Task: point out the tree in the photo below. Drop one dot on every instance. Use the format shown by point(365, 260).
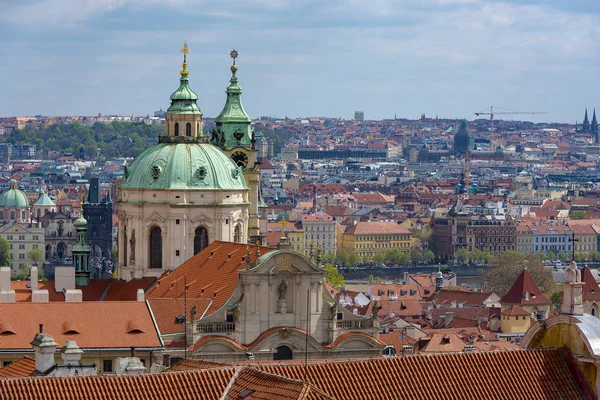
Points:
point(333, 276)
point(428, 257)
point(36, 256)
point(4, 253)
point(506, 267)
point(578, 214)
point(556, 299)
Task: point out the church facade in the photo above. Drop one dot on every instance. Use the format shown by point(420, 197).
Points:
point(191, 188)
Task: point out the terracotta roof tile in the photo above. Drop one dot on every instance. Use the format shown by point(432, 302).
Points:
point(210, 274)
point(523, 284)
point(444, 343)
point(91, 324)
point(22, 367)
point(376, 228)
point(516, 311)
point(447, 296)
point(166, 311)
point(591, 291)
point(201, 385)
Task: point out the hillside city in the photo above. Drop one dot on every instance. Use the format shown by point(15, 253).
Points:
point(186, 256)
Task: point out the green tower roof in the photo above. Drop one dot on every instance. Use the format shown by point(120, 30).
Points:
point(183, 100)
point(44, 200)
point(13, 197)
point(183, 166)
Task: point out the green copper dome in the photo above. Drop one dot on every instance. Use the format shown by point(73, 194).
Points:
point(81, 222)
point(13, 197)
point(183, 166)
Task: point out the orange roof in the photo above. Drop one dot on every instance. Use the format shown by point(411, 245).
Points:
point(24, 366)
point(91, 324)
point(546, 374)
point(591, 291)
point(166, 311)
point(447, 296)
point(516, 311)
point(376, 228)
point(525, 284)
point(211, 274)
point(444, 343)
point(263, 385)
point(200, 385)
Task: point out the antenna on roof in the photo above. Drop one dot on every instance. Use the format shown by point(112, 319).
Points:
point(307, 332)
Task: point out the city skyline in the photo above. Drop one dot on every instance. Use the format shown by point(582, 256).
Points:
point(450, 57)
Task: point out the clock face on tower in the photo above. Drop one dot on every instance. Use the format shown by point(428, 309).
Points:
point(240, 158)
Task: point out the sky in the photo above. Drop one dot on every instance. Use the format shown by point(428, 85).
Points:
point(301, 58)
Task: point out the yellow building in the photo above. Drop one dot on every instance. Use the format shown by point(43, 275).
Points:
point(524, 238)
point(586, 238)
point(367, 239)
point(297, 240)
point(515, 320)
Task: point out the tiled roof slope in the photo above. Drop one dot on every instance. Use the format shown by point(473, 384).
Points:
point(22, 367)
point(212, 273)
point(446, 296)
point(197, 385)
point(166, 311)
point(263, 385)
point(92, 324)
point(531, 374)
point(591, 291)
point(525, 283)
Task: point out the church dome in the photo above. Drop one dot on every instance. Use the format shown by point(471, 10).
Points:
point(13, 197)
point(183, 166)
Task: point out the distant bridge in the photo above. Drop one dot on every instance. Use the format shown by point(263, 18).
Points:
point(463, 272)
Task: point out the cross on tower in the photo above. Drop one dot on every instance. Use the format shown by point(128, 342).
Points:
point(573, 240)
point(234, 55)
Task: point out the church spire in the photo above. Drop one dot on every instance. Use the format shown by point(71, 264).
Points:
point(594, 127)
point(586, 123)
point(233, 125)
point(81, 252)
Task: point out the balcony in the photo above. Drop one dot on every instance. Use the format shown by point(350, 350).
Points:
point(354, 324)
point(215, 327)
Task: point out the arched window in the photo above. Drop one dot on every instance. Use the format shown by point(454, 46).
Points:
point(283, 353)
point(200, 240)
point(237, 234)
point(125, 246)
point(197, 128)
point(188, 129)
point(155, 247)
point(176, 128)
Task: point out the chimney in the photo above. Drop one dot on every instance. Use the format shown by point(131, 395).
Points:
point(526, 294)
point(6, 295)
point(37, 295)
point(44, 347)
point(71, 353)
point(167, 360)
point(140, 295)
point(448, 317)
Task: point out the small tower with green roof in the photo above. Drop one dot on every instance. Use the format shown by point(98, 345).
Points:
point(439, 281)
point(183, 117)
point(81, 253)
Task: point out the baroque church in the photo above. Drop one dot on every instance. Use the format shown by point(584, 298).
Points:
point(192, 187)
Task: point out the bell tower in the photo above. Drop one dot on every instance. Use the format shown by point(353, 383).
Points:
point(234, 134)
point(183, 117)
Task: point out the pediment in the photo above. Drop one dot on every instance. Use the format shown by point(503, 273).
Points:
point(279, 261)
point(200, 218)
point(155, 217)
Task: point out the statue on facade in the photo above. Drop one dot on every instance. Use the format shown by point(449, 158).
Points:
point(332, 309)
point(573, 274)
point(282, 290)
point(375, 310)
point(132, 247)
point(193, 313)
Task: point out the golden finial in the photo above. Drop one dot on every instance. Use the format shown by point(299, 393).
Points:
point(185, 49)
point(233, 55)
point(282, 223)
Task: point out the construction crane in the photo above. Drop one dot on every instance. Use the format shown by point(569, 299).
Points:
point(491, 113)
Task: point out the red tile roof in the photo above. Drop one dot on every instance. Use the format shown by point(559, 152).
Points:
point(211, 274)
point(444, 343)
point(22, 367)
point(533, 374)
point(447, 297)
point(523, 284)
point(516, 311)
point(376, 228)
point(591, 291)
point(200, 385)
point(166, 311)
point(92, 324)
